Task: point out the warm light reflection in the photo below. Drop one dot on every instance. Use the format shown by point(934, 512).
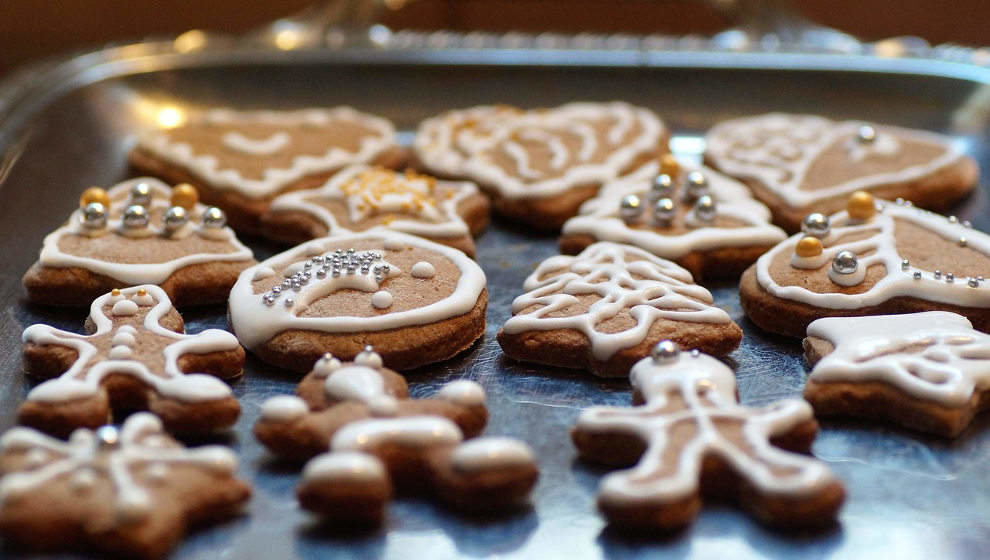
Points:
point(170, 117)
point(288, 39)
point(889, 48)
point(190, 41)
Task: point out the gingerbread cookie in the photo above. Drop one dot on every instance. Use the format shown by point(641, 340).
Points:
point(799, 164)
point(240, 160)
point(139, 232)
point(136, 357)
point(540, 165)
point(604, 309)
point(416, 301)
point(688, 436)
point(927, 371)
point(876, 258)
point(379, 437)
point(130, 492)
point(696, 217)
point(363, 198)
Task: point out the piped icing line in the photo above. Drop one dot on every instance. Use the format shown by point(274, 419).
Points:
point(138, 273)
point(83, 378)
point(271, 145)
point(609, 270)
point(435, 144)
point(408, 431)
point(572, 119)
point(207, 167)
point(936, 355)
point(778, 149)
point(882, 245)
point(599, 217)
point(255, 323)
point(368, 191)
point(143, 450)
point(706, 386)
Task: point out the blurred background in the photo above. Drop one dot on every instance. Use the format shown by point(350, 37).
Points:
point(31, 29)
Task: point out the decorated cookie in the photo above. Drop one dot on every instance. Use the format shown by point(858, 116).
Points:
point(927, 371)
point(604, 309)
point(875, 258)
point(696, 217)
point(362, 198)
point(416, 301)
point(689, 437)
point(136, 357)
point(130, 492)
point(139, 232)
point(379, 438)
point(540, 165)
point(799, 164)
point(240, 160)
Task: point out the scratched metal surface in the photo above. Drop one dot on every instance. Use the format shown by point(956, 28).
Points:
point(909, 495)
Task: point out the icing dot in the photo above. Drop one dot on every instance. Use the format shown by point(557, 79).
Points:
point(144, 300)
point(157, 472)
point(124, 308)
point(127, 329)
point(349, 465)
point(423, 269)
point(82, 480)
point(463, 392)
point(326, 365)
point(368, 357)
point(284, 408)
point(384, 405)
point(262, 273)
point(381, 299)
point(491, 453)
point(35, 458)
point(123, 338)
point(120, 353)
point(356, 382)
point(394, 245)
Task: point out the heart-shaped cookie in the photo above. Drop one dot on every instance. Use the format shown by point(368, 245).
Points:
point(798, 164)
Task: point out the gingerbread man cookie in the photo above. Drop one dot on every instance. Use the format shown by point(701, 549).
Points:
point(139, 232)
point(240, 160)
point(540, 165)
point(875, 258)
point(927, 371)
point(604, 309)
point(379, 438)
point(135, 358)
point(696, 217)
point(689, 431)
point(416, 301)
point(129, 492)
point(798, 164)
point(363, 198)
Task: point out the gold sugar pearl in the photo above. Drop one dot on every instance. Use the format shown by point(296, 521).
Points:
point(669, 165)
point(94, 194)
point(115, 292)
point(861, 206)
point(809, 247)
point(185, 195)
point(142, 292)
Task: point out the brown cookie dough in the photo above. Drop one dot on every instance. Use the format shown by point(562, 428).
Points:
point(135, 357)
point(688, 437)
point(121, 237)
point(130, 492)
point(799, 164)
point(604, 309)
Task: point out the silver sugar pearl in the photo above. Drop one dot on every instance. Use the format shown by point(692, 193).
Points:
point(845, 262)
point(973, 283)
point(350, 251)
point(289, 302)
point(953, 220)
point(321, 273)
point(967, 224)
point(269, 300)
point(135, 216)
point(663, 185)
point(175, 218)
point(317, 259)
point(937, 274)
point(276, 290)
point(705, 209)
point(917, 275)
point(630, 207)
point(141, 194)
point(905, 264)
point(307, 265)
point(899, 201)
point(963, 242)
point(385, 268)
point(214, 218)
point(665, 352)
point(350, 270)
point(664, 210)
point(336, 272)
point(950, 277)
point(94, 216)
point(866, 134)
point(108, 437)
point(696, 187)
point(816, 225)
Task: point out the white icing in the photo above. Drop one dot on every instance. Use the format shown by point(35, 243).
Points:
point(284, 408)
point(435, 144)
point(368, 358)
point(383, 405)
point(124, 308)
point(423, 269)
point(137, 273)
point(707, 388)
point(85, 461)
point(607, 270)
point(463, 392)
point(354, 383)
point(123, 338)
point(368, 191)
point(491, 453)
point(778, 149)
point(83, 378)
point(120, 353)
point(207, 166)
point(266, 147)
point(410, 431)
point(345, 467)
point(936, 356)
point(255, 323)
point(599, 217)
point(262, 273)
point(883, 251)
point(143, 300)
point(325, 366)
point(381, 299)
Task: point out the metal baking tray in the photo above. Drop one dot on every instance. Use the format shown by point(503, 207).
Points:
point(68, 123)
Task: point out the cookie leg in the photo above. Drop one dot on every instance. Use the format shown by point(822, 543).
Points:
point(484, 474)
point(346, 488)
